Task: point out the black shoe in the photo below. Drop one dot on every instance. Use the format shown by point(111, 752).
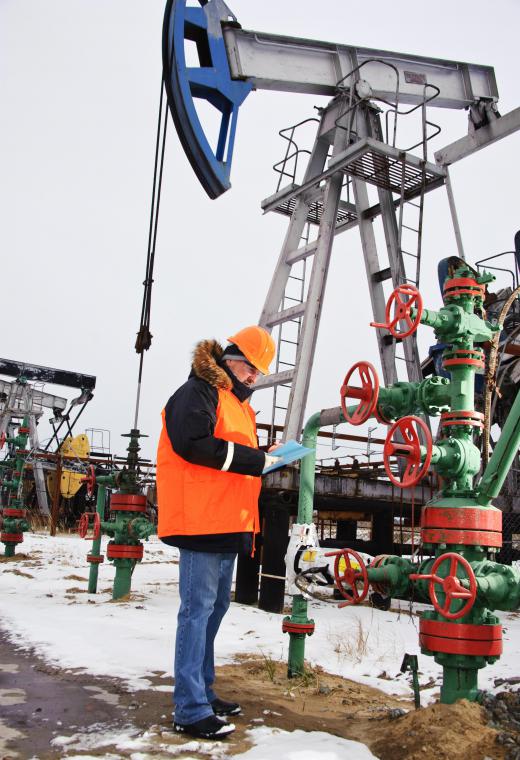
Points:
point(207, 728)
point(221, 707)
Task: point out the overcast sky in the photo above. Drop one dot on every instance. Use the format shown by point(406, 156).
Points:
point(79, 91)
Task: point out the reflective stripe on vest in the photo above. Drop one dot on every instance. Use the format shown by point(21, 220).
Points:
point(197, 500)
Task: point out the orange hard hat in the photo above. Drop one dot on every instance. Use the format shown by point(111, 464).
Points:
point(257, 346)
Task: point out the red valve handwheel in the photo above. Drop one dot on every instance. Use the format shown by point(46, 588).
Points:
point(350, 576)
point(90, 480)
point(410, 449)
point(368, 394)
point(451, 585)
point(84, 522)
point(2, 440)
point(402, 311)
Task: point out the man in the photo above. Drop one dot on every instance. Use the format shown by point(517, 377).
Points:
point(208, 482)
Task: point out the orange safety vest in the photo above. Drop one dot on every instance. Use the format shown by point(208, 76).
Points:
point(197, 500)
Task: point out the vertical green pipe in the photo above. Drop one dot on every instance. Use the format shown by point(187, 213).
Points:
point(305, 509)
point(123, 579)
point(9, 549)
point(295, 665)
point(502, 457)
point(96, 543)
point(458, 683)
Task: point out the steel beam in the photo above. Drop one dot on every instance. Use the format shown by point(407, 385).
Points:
point(15, 392)
point(46, 374)
point(480, 138)
point(291, 64)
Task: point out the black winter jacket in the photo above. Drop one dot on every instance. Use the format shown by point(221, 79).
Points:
point(190, 417)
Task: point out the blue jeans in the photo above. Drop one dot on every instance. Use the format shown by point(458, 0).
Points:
point(205, 590)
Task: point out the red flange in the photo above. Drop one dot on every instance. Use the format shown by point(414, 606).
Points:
point(470, 418)
point(11, 538)
point(303, 628)
point(460, 638)
point(463, 286)
point(379, 587)
point(463, 537)
point(349, 576)
point(95, 559)
point(124, 551)
point(402, 311)
point(84, 522)
point(465, 357)
point(128, 502)
point(12, 512)
point(409, 449)
point(367, 394)
point(451, 585)
point(90, 479)
point(466, 518)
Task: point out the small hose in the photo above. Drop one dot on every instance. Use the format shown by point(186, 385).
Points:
point(491, 373)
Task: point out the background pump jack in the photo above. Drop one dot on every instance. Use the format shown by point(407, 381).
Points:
point(126, 526)
point(460, 527)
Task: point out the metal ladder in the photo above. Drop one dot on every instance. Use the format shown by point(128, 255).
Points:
point(359, 158)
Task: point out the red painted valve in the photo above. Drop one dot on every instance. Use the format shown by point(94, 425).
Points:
point(348, 578)
point(451, 585)
point(90, 479)
point(2, 440)
point(402, 311)
point(409, 449)
point(367, 394)
point(84, 523)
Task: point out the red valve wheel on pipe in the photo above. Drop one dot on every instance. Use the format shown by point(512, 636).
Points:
point(90, 480)
point(409, 449)
point(451, 585)
point(368, 394)
point(84, 522)
point(402, 311)
point(350, 576)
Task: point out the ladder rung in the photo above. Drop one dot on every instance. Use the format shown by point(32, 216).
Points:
point(293, 277)
point(413, 255)
point(301, 253)
point(292, 298)
point(286, 315)
point(279, 378)
point(292, 342)
point(406, 227)
point(417, 205)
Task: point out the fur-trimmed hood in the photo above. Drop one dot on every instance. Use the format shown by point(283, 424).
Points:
point(206, 356)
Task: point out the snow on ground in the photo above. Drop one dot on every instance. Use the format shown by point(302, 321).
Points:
point(131, 640)
point(269, 744)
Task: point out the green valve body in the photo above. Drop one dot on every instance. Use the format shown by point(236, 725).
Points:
point(14, 515)
point(127, 525)
point(460, 528)
point(462, 634)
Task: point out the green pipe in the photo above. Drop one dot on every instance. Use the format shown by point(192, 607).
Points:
point(502, 458)
point(96, 543)
point(123, 578)
point(296, 658)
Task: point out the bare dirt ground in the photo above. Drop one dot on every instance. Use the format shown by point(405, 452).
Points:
point(39, 702)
